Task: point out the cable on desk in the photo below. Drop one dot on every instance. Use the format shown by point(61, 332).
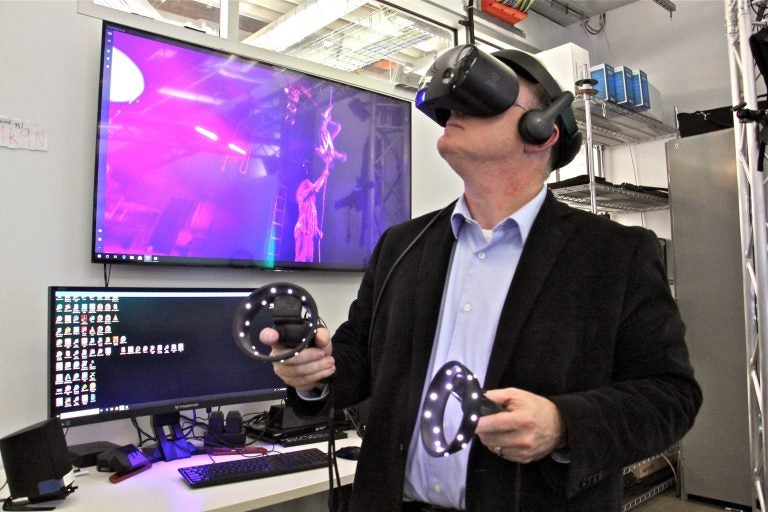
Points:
point(335, 496)
point(140, 432)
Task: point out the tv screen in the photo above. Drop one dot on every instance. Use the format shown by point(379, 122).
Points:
point(209, 158)
point(128, 352)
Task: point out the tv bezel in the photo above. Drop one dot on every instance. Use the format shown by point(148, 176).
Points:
point(168, 406)
point(259, 264)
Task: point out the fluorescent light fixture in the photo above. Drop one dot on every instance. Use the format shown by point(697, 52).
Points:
point(184, 95)
point(237, 149)
point(303, 20)
point(206, 133)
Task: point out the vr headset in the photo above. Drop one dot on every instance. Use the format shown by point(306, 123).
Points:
point(467, 80)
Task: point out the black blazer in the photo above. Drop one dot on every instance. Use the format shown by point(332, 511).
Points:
point(588, 322)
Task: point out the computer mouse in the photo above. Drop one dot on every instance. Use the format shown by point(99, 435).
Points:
point(348, 452)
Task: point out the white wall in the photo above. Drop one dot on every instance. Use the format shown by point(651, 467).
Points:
point(49, 75)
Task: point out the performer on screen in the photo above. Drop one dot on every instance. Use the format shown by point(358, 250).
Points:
point(309, 225)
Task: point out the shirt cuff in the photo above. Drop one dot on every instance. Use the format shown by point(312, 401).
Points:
point(562, 456)
point(313, 394)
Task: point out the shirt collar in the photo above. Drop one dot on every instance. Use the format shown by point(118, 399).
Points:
point(523, 217)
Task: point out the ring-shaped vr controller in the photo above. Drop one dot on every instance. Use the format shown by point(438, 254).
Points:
point(285, 307)
point(452, 379)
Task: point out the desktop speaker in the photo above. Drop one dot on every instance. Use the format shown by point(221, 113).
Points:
point(225, 433)
point(37, 463)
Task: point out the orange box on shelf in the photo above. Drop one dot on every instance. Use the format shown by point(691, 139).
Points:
point(503, 12)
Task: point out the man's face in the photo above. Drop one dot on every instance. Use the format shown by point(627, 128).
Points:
point(469, 141)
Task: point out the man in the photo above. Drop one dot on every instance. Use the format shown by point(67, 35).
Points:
point(565, 317)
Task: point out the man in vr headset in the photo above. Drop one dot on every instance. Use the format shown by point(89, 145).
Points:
point(565, 317)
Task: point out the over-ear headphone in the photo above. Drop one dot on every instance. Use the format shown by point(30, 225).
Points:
point(467, 80)
point(536, 126)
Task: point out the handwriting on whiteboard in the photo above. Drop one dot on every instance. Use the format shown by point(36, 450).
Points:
point(17, 134)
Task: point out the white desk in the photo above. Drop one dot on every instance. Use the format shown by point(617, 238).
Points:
point(162, 488)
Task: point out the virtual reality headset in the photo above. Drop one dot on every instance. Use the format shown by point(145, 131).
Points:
point(467, 80)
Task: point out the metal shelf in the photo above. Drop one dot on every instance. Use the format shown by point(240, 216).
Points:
point(610, 198)
point(634, 501)
point(620, 125)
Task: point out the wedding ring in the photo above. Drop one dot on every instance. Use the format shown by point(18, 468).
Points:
point(498, 450)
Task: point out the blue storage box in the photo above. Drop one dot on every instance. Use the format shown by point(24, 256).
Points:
point(622, 85)
point(603, 73)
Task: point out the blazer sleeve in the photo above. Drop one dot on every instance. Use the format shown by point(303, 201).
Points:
point(653, 397)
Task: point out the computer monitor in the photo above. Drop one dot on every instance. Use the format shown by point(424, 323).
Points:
point(128, 352)
point(207, 158)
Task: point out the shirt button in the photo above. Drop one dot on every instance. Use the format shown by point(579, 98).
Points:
point(467, 307)
point(437, 488)
point(481, 255)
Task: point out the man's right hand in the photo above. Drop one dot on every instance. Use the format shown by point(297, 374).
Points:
point(305, 370)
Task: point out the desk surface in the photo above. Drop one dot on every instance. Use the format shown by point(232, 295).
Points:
point(161, 488)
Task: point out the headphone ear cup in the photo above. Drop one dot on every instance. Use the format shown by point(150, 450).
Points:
point(536, 127)
point(568, 148)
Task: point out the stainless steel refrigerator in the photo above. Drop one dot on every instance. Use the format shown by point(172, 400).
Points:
point(708, 286)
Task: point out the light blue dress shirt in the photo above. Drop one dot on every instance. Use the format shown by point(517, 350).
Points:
point(479, 276)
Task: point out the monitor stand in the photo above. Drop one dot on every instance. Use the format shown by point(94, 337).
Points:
point(171, 442)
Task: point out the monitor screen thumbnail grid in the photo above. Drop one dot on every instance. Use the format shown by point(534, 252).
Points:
point(126, 352)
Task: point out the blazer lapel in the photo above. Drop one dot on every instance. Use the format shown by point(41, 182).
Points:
point(548, 235)
point(434, 258)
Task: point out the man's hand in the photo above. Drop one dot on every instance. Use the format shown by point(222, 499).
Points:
point(309, 367)
point(530, 427)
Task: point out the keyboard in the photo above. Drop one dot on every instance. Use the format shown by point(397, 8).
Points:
point(254, 467)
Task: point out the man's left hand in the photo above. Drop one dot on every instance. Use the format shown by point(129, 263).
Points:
point(529, 428)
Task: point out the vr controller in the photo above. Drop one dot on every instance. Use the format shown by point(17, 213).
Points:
point(285, 307)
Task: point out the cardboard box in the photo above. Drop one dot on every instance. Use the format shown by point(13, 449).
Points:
point(656, 109)
point(603, 73)
point(567, 64)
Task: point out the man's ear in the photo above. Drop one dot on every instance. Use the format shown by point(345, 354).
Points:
point(546, 145)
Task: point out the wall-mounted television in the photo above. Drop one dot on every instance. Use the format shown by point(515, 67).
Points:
point(127, 352)
point(213, 159)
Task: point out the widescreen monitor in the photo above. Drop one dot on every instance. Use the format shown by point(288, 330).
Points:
point(129, 352)
point(208, 158)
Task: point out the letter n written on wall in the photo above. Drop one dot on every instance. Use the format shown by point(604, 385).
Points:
point(17, 134)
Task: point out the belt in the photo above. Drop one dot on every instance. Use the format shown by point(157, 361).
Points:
point(417, 506)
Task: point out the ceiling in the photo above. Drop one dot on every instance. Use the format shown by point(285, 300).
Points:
point(367, 37)
point(567, 12)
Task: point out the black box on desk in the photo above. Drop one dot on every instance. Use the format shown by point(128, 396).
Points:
point(86, 454)
point(37, 462)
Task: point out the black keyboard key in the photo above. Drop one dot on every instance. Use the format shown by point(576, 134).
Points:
point(254, 467)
